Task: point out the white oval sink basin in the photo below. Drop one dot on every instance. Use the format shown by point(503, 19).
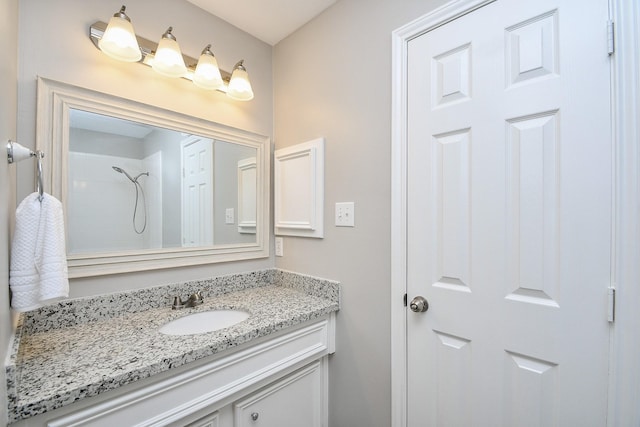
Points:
point(205, 321)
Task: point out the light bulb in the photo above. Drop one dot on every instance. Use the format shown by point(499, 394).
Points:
point(239, 85)
point(168, 59)
point(207, 74)
point(119, 40)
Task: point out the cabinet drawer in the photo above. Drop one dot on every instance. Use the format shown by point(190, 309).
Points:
point(293, 401)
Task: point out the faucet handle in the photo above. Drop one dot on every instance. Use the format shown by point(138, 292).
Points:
point(195, 299)
point(177, 303)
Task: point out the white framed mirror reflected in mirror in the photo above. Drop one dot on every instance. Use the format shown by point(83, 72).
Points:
point(146, 188)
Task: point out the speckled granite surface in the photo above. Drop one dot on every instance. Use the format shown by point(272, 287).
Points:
point(80, 348)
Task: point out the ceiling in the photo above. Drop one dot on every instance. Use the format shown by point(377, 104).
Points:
point(267, 20)
point(79, 119)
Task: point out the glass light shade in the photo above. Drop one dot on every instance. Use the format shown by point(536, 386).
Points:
point(239, 85)
point(168, 59)
point(119, 40)
point(207, 74)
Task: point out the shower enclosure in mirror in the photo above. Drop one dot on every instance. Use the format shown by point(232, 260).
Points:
point(161, 188)
point(146, 188)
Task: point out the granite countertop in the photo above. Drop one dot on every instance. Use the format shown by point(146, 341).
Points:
point(57, 363)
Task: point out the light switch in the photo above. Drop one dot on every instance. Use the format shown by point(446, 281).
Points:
point(345, 214)
point(229, 216)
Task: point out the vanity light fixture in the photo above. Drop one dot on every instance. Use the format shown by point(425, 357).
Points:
point(239, 85)
point(168, 58)
point(119, 41)
point(207, 74)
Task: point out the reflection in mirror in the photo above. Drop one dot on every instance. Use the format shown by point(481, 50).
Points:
point(147, 188)
point(134, 186)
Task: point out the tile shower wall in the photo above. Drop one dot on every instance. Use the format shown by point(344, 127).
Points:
point(97, 188)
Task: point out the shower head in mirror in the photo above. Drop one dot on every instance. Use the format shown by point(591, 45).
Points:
point(134, 180)
point(120, 170)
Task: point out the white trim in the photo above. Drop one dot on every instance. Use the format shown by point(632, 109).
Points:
point(308, 158)
point(624, 389)
point(247, 185)
point(398, 231)
point(624, 392)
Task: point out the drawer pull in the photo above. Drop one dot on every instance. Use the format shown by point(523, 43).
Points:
point(254, 416)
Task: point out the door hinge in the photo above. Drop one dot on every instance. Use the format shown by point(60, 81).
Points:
point(611, 309)
point(611, 38)
point(405, 300)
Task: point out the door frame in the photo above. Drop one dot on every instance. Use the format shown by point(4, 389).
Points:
point(624, 380)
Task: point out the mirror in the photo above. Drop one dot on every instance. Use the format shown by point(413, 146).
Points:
point(146, 188)
point(152, 187)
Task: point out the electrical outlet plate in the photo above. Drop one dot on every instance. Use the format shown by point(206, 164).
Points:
point(345, 214)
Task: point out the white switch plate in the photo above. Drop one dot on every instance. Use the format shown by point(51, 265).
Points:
point(345, 214)
point(279, 246)
point(229, 216)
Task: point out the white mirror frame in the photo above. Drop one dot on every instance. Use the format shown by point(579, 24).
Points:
point(55, 99)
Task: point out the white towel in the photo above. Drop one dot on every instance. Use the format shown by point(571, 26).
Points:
point(38, 270)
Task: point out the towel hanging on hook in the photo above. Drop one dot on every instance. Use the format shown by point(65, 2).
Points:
point(38, 265)
point(17, 152)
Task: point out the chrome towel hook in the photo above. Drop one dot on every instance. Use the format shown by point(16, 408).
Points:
point(17, 152)
point(39, 184)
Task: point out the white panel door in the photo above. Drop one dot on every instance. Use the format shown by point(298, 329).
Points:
point(197, 191)
point(509, 217)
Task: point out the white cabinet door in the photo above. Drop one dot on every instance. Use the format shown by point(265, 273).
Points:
point(296, 400)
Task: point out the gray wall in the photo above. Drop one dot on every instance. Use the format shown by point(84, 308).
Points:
point(71, 57)
point(332, 79)
point(8, 105)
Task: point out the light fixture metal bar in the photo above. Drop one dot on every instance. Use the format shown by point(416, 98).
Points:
point(148, 49)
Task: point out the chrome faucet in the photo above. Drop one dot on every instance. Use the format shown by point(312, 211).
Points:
point(194, 300)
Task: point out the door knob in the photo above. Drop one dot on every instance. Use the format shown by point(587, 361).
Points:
point(419, 305)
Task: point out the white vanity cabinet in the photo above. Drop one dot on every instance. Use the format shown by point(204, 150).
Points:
point(275, 381)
